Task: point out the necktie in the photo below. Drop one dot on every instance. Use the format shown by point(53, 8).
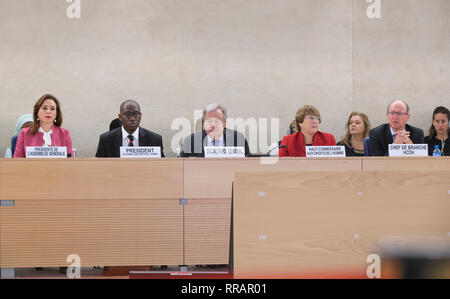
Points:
point(214, 142)
point(394, 136)
point(131, 137)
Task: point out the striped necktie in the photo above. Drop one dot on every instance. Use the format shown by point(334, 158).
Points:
point(131, 137)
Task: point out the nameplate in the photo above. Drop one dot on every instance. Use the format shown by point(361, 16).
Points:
point(224, 152)
point(44, 152)
point(325, 151)
point(140, 152)
point(408, 150)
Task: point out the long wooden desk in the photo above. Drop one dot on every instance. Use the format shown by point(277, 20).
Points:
point(208, 190)
point(109, 212)
point(115, 212)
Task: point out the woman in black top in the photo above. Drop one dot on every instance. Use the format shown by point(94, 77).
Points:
point(357, 127)
point(439, 132)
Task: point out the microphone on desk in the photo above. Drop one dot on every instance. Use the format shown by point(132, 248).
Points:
point(276, 147)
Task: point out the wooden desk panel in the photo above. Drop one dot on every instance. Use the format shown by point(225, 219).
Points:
point(92, 186)
point(406, 164)
point(111, 212)
point(207, 231)
point(325, 222)
point(91, 179)
point(42, 233)
point(212, 178)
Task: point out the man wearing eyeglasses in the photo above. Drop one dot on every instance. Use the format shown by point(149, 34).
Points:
point(214, 133)
point(396, 131)
point(129, 134)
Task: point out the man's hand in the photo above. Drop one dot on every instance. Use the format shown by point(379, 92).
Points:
point(402, 137)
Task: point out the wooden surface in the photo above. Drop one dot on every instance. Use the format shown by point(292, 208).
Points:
point(91, 179)
point(405, 164)
point(116, 212)
point(290, 224)
point(111, 212)
point(208, 188)
point(212, 178)
point(102, 232)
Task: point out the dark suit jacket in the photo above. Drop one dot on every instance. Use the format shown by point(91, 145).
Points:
point(380, 138)
point(193, 145)
point(434, 141)
point(110, 142)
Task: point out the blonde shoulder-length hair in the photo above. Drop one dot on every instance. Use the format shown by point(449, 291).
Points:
point(348, 137)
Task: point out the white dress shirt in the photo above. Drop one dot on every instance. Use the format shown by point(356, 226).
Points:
point(47, 138)
point(126, 140)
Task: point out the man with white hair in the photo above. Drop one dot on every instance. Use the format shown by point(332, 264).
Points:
point(214, 133)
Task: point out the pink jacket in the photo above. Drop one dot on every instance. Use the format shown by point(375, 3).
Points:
point(60, 137)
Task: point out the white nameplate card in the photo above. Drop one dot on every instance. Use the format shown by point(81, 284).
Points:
point(45, 152)
point(408, 150)
point(140, 152)
point(224, 152)
point(325, 151)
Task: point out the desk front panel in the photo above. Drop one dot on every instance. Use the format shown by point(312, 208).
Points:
point(213, 178)
point(43, 233)
point(328, 223)
point(91, 179)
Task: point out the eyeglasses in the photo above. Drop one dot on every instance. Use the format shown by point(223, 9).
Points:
point(132, 114)
point(313, 118)
point(392, 113)
point(440, 121)
point(214, 121)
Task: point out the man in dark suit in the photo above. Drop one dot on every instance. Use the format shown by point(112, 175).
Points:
point(396, 131)
point(129, 134)
point(214, 133)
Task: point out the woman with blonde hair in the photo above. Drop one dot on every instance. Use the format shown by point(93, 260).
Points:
point(357, 127)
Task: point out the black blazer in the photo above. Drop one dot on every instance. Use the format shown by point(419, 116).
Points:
point(434, 141)
point(193, 145)
point(110, 142)
point(380, 138)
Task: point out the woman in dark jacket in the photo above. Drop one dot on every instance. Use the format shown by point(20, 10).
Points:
point(439, 132)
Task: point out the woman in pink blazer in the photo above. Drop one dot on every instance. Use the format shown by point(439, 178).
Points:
point(307, 120)
point(46, 129)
